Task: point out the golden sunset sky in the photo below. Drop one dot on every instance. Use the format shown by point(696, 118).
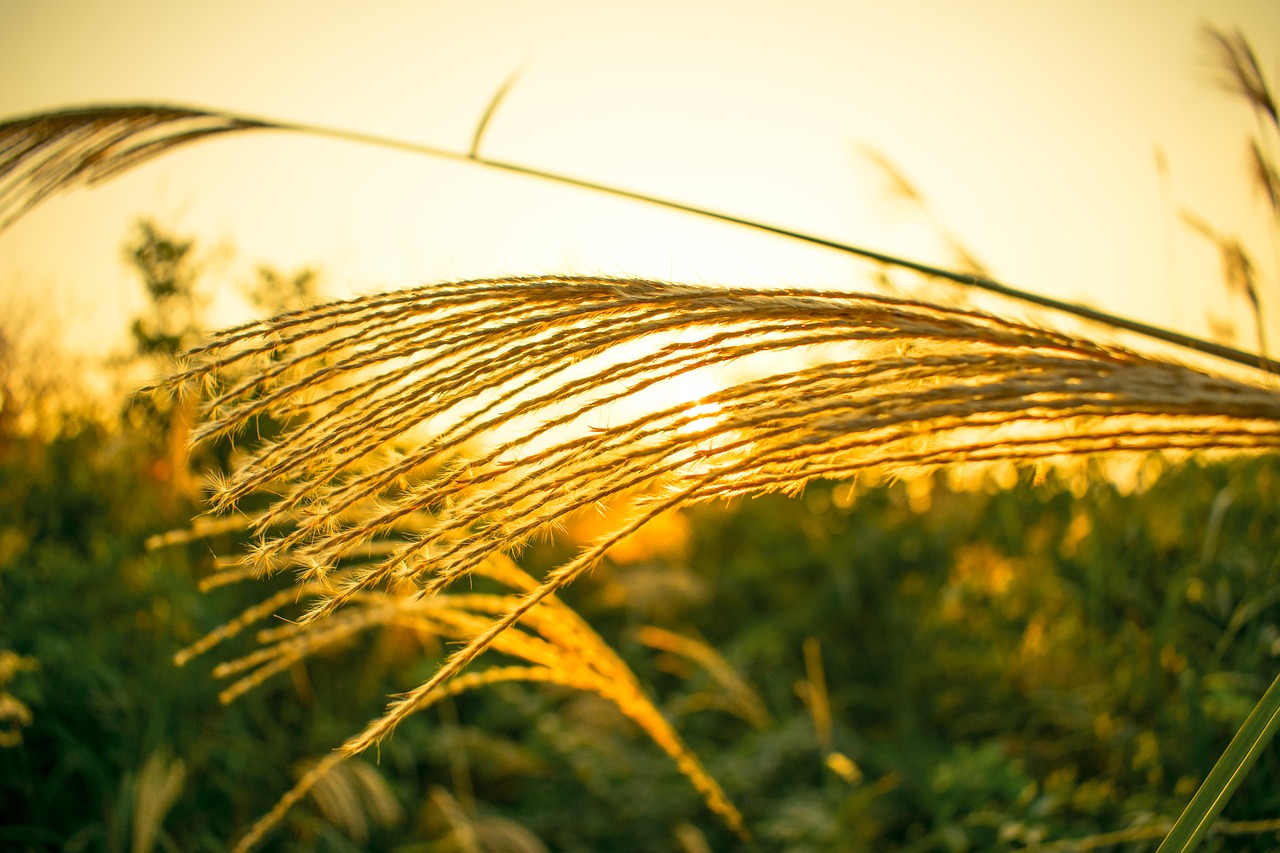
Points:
point(1031, 128)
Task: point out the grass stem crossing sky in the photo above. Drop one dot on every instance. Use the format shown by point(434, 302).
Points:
point(1058, 145)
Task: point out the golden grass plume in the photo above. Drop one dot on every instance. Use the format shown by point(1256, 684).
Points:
point(491, 411)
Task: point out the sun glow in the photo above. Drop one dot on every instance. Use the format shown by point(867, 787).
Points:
point(694, 388)
point(704, 415)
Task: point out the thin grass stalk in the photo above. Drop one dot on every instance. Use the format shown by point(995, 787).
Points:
point(37, 160)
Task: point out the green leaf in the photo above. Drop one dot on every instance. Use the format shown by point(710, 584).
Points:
point(1227, 774)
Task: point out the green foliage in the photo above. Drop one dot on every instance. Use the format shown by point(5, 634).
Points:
point(1021, 665)
point(1004, 667)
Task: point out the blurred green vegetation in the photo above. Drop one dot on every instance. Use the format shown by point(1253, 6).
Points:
point(943, 669)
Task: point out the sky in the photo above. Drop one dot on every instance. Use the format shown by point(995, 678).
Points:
point(1031, 129)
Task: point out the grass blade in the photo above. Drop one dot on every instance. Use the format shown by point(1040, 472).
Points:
point(1227, 774)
